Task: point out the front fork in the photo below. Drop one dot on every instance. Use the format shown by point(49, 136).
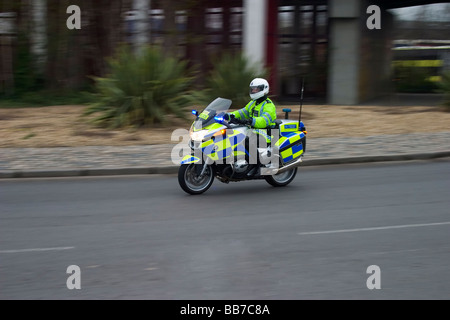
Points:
point(200, 169)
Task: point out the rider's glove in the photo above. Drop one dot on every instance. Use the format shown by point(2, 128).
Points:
point(240, 121)
point(228, 116)
point(247, 121)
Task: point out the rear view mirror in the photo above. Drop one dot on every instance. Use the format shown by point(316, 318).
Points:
point(286, 113)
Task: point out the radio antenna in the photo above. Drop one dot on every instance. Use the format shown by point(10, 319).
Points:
point(301, 100)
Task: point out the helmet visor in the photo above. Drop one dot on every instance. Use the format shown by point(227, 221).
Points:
point(256, 89)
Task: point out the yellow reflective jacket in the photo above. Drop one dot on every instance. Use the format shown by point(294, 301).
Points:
point(263, 114)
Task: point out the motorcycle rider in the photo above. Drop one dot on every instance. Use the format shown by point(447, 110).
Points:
point(260, 112)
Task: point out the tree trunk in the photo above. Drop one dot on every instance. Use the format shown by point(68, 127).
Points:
point(170, 28)
point(38, 34)
point(142, 25)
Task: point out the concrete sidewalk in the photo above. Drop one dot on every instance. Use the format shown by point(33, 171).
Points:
point(157, 159)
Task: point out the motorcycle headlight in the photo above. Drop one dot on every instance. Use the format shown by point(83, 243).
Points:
point(198, 135)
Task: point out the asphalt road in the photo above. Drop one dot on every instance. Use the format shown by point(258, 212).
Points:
point(142, 237)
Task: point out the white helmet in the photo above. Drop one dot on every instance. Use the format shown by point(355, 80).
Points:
point(258, 88)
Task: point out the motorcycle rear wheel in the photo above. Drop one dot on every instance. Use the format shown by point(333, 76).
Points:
point(191, 183)
point(282, 179)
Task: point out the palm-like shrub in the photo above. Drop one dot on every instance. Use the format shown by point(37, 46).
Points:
point(230, 78)
point(141, 89)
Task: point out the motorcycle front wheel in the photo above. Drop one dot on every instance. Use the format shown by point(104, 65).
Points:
point(191, 182)
point(282, 179)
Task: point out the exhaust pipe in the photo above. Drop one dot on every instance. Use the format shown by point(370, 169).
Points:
point(290, 166)
point(273, 171)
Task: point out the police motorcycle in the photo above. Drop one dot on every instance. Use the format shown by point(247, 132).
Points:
point(230, 152)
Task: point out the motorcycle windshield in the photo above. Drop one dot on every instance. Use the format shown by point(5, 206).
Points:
point(218, 107)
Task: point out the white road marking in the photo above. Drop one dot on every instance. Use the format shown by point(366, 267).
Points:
point(150, 269)
point(376, 228)
point(36, 249)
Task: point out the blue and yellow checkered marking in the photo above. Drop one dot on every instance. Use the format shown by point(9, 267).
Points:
point(291, 143)
point(292, 153)
point(240, 150)
point(236, 139)
point(189, 159)
point(223, 146)
point(288, 139)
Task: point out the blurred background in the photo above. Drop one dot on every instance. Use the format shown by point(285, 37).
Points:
point(325, 42)
point(133, 64)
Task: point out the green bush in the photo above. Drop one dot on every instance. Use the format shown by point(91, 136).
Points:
point(44, 98)
point(445, 88)
point(230, 78)
point(414, 80)
point(141, 89)
point(26, 78)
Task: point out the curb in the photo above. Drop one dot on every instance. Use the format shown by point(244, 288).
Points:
point(385, 158)
point(86, 172)
point(11, 174)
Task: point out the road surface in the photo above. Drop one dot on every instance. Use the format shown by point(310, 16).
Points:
point(331, 234)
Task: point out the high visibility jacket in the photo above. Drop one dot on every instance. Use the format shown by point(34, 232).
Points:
point(263, 114)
